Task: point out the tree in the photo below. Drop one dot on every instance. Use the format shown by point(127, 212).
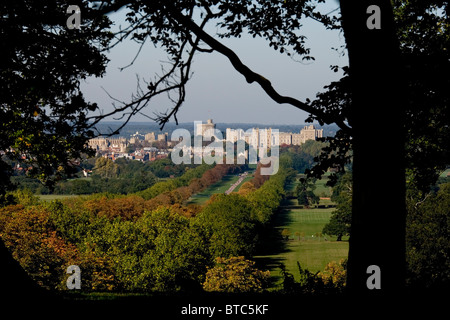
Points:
point(227, 220)
point(246, 187)
point(335, 275)
point(106, 168)
point(376, 50)
point(259, 179)
point(305, 192)
point(44, 124)
point(285, 233)
point(235, 275)
point(427, 240)
point(421, 35)
point(340, 220)
point(179, 256)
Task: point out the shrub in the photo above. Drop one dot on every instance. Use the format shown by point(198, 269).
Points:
point(235, 275)
point(33, 242)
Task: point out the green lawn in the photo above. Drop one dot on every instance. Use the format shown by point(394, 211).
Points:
point(313, 252)
point(51, 197)
point(445, 173)
point(321, 189)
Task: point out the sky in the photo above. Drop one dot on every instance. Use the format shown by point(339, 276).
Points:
point(217, 91)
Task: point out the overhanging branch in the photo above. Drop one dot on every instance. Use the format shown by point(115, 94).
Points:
point(252, 76)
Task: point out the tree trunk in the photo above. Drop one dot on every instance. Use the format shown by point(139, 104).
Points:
point(378, 212)
point(16, 283)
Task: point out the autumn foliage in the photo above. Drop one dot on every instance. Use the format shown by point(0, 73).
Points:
point(235, 275)
point(127, 207)
point(35, 241)
point(138, 244)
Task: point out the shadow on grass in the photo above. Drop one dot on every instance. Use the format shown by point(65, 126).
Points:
point(271, 244)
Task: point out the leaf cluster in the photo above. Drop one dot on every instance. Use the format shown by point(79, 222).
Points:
point(44, 123)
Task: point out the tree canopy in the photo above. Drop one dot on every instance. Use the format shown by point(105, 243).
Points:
point(45, 122)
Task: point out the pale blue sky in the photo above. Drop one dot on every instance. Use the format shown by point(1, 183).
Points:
point(216, 90)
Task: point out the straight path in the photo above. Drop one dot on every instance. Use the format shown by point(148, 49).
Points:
point(238, 182)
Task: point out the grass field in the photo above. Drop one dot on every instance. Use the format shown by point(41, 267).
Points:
point(305, 244)
point(445, 173)
point(51, 197)
point(321, 189)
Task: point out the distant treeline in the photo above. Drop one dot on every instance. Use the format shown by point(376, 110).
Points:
point(122, 176)
point(125, 176)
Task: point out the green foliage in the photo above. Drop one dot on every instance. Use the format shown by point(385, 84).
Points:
point(169, 185)
point(108, 176)
point(229, 225)
point(44, 113)
point(24, 197)
point(122, 176)
point(331, 281)
point(164, 168)
point(106, 168)
point(335, 275)
point(305, 192)
point(235, 275)
point(340, 220)
point(158, 252)
point(422, 31)
point(267, 198)
point(428, 239)
point(33, 242)
point(285, 233)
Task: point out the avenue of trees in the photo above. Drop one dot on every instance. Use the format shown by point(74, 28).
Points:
point(127, 244)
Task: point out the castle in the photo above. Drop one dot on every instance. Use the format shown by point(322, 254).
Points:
point(264, 137)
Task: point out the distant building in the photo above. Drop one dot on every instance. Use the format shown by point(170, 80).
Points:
point(134, 140)
point(311, 133)
point(99, 144)
point(252, 138)
point(201, 128)
point(150, 137)
point(296, 139)
point(285, 138)
point(264, 138)
point(104, 144)
point(233, 135)
point(163, 137)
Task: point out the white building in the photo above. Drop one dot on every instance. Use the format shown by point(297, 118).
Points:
point(201, 128)
point(150, 136)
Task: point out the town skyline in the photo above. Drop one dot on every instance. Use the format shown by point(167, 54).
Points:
point(150, 146)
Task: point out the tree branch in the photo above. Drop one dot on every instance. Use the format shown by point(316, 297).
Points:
point(252, 76)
